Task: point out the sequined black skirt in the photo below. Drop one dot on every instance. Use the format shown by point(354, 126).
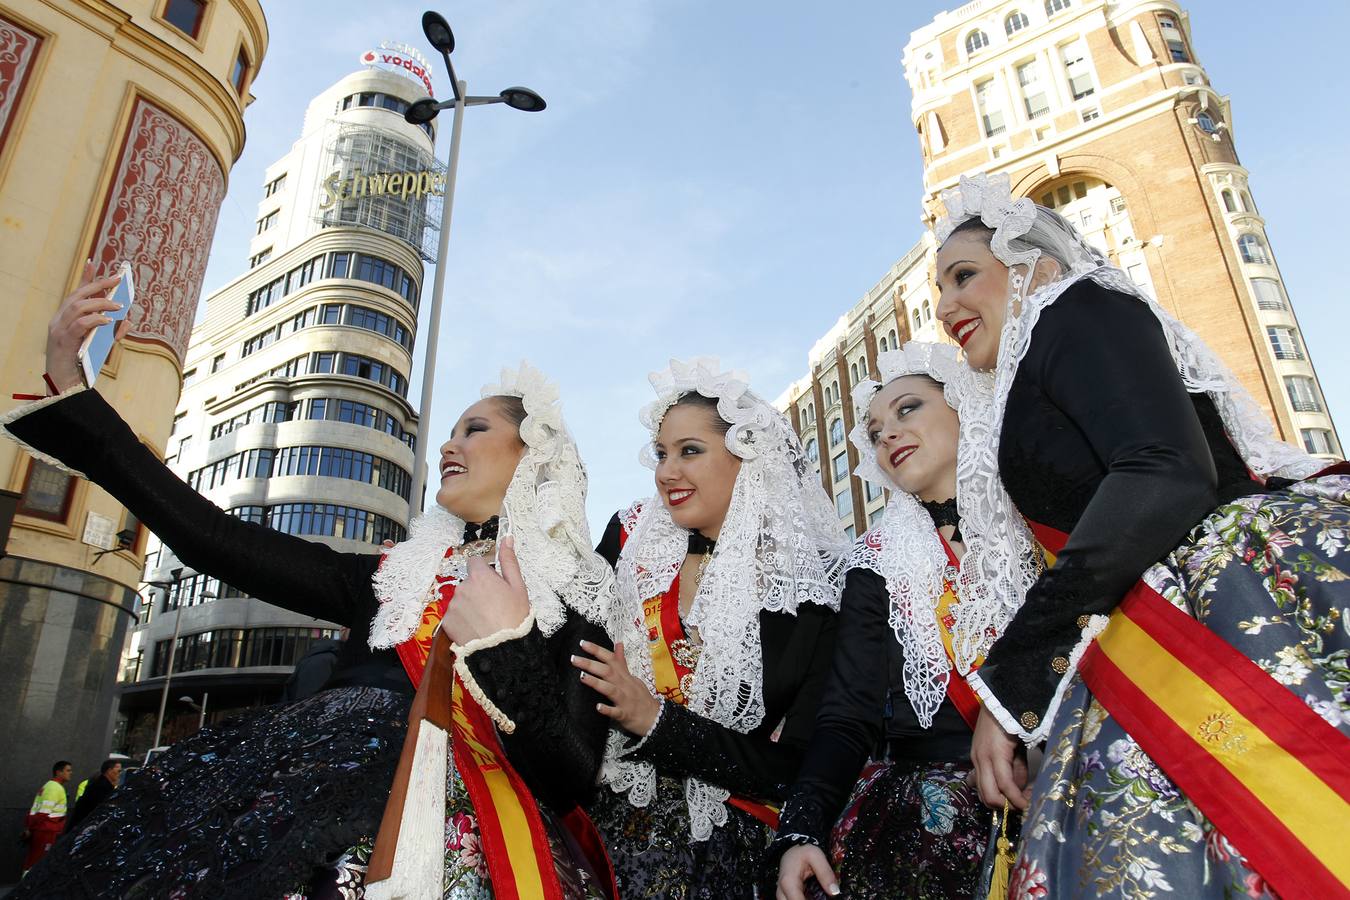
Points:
point(250, 807)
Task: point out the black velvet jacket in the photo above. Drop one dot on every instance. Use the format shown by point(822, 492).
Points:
point(796, 652)
point(559, 738)
point(1099, 440)
point(864, 713)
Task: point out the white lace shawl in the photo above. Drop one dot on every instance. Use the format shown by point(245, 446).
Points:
point(780, 545)
point(904, 547)
point(997, 568)
point(544, 510)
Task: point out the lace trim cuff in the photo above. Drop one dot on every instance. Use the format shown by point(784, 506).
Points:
point(20, 411)
point(503, 722)
point(1095, 626)
point(634, 747)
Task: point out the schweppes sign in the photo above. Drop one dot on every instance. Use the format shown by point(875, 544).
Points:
point(401, 185)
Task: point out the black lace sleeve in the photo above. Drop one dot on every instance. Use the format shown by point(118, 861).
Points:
point(852, 714)
point(87, 434)
point(560, 737)
point(1100, 361)
point(798, 653)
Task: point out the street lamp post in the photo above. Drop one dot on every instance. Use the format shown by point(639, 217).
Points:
point(442, 38)
point(201, 708)
point(175, 577)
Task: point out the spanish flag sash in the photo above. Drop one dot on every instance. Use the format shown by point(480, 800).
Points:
point(514, 838)
point(673, 661)
point(961, 694)
point(1272, 775)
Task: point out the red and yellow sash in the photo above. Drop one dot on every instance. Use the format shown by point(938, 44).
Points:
point(958, 691)
point(515, 842)
point(1272, 775)
point(673, 662)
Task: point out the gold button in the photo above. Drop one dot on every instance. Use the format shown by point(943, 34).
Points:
point(1060, 664)
point(1083, 622)
point(1029, 720)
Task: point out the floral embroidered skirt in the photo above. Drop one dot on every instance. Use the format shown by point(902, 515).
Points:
point(913, 830)
point(248, 807)
point(655, 857)
point(465, 875)
point(1270, 574)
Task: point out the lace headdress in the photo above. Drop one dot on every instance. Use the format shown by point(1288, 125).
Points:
point(544, 510)
point(998, 542)
point(780, 545)
point(904, 547)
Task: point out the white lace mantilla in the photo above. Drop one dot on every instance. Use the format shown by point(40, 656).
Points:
point(544, 510)
point(904, 547)
point(780, 545)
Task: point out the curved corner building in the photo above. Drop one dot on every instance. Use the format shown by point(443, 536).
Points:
point(120, 121)
point(295, 409)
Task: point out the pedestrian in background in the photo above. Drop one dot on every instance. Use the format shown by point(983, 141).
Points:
point(99, 788)
point(48, 815)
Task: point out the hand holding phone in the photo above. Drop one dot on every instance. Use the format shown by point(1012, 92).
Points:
point(98, 344)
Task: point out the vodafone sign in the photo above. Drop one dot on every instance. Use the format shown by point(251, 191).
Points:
point(401, 58)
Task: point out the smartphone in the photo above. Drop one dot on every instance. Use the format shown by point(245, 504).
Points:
point(94, 352)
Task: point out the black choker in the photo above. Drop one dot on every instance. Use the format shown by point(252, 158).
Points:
point(944, 513)
point(484, 532)
point(700, 545)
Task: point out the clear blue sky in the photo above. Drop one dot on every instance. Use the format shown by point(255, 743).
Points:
point(728, 178)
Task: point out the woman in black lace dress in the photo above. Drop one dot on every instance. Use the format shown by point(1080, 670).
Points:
point(1184, 656)
point(882, 806)
point(728, 582)
point(286, 800)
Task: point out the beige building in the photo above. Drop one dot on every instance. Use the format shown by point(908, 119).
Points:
point(119, 123)
point(1101, 111)
point(295, 411)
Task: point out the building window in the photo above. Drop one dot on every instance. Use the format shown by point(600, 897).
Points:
point(1076, 69)
point(1015, 22)
point(1054, 6)
point(1247, 204)
point(918, 323)
point(1033, 89)
point(1302, 393)
point(1268, 293)
point(850, 532)
point(927, 312)
point(258, 259)
point(185, 15)
point(839, 466)
point(239, 77)
point(1206, 122)
point(1228, 204)
point(217, 362)
point(843, 502)
point(267, 221)
point(811, 413)
point(852, 373)
point(339, 265)
point(976, 41)
point(274, 185)
point(875, 516)
point(991, 114)
point(1176, 47)
point(1253, 249)
point(1091, 113)
point(883, 345)
point(812, 451)
point(1317, 441)
point(836, 432)
point(873, 491)
point(47, 492)
point(1284, 341)
point(895, 344)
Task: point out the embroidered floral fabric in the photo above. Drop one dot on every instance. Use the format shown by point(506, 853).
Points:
point(654, 859)
point(249, 807)
point(913, 830)
point(1270, 574)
